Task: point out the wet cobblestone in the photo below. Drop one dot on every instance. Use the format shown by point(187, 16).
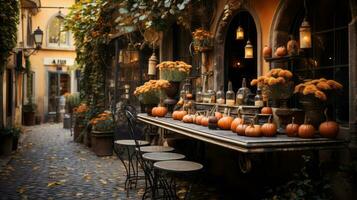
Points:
point(51, 166)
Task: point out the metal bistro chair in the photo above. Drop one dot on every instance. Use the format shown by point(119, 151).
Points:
point(146, 159)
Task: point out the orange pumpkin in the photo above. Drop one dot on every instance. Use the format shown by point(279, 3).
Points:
point(253, 131)
point(153, 111)
point(329, 129)
point(159, 111)
point(292, 129)
point(241, 129)
point(178, 115)
point(267, 110)
point(225, 122)
point(280, 51)
point(218, 115)
point(235, 123)
point(204, 121)
point(267, 51)
point(175, 114)
point(306, 130)
point(187, 118)
point(268, 129)
point(198, 119)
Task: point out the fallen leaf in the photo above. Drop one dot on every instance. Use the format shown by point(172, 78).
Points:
point(35, 168)
point(21, 190)
point(87, 177)
point(55, 183)
point(104, 182)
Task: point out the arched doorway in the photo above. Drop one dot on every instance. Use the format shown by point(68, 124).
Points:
point(236, 66)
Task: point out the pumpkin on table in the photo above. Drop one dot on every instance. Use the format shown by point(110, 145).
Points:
point(204, 121)
point(241, 128)
point(328, 129)
point(306, 130)
point(253, 130)
point(225, 122)
point(235, 123)
point(269, 129)
point(292, 129)
point(187, 118)
point(159, 111)
point(212, 122)
point(178, 114)
point(198, 119)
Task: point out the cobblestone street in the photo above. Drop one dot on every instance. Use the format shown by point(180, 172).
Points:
point(51, 166)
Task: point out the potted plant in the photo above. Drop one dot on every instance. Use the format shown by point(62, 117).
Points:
point(9, 137)
point(151, 92)
point(79, 113)
point(314, 96)
point(29, 111)
point(102, 135)
point(202, 40)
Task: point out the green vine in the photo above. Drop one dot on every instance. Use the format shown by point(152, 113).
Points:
point(9, 19)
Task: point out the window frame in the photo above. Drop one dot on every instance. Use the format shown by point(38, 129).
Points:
point(68, 44)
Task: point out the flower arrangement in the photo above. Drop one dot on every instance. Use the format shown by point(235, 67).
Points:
point(103, 122)
point(81, 110)
point(277, 82)
point(174, 70)
point(202, 40)
point(151, 91)
point(317, 88)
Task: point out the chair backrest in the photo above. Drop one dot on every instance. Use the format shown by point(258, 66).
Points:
point(132, 125)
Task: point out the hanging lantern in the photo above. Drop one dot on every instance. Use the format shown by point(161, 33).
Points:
point(239, 33)
point(152, 65)
point(305, 35)
point(248, 50)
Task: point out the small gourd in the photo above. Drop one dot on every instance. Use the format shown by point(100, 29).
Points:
point(238, 120)
point(241, 128)
point(253, 130)
point(292, 129)
point(306, 130)
point(269, 129)
point(328, 129)
point(280, 51)
point(204, 121)
point(187, 118)
point(212, 122)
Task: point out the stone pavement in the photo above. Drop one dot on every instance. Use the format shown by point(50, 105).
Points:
point(51, 166)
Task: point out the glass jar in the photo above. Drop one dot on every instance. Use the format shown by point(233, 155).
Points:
point(258, 99)
point(220, 97)
point(212, 96)
point(206, 97)
point(242, 94)
point(230, 96)
point(199, 97)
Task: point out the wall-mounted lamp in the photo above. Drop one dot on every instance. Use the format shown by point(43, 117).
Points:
point(305, 34)
point(38, 38)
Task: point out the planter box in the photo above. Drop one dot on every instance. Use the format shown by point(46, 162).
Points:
point(29, 118)
point(102, 143)
point(77, 131)
point(6, 143)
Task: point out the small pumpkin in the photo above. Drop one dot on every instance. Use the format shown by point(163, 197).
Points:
point(241, 129)
point(198, 119)
point(267, 110)
point(329, 128)
point(204, 121)
point(153, 111)
point(269, 129)
point(306, 130)
point(212, 122)
point(187, 118)
point(159, 111)
point(267, 51)
point(292, 129)
point(253, 130)
point(218, 115)
point(178, 115)
point(225, 122)
point(235, 123)
point(280, 51)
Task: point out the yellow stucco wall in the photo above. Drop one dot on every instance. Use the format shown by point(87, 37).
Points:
point(41, 19)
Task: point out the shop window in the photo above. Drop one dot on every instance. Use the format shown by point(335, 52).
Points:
point(329, 53)
point(56, 36)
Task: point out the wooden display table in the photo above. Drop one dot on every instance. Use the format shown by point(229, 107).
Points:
point(243, 144)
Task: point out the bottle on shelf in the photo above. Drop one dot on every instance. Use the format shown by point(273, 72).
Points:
point(220, 97)
point(258, 99)
point(199, 97)
point(212, 95)
point(230, 95)
point(242, 94)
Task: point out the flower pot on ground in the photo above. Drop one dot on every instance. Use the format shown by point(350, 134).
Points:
point(8, 139)
point(29, 111)
point(102, 134)
point(79, 114)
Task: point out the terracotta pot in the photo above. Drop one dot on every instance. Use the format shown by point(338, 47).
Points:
point(29, 118)
point(102, 143)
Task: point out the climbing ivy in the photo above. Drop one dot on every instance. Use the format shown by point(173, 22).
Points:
point(9, 19)
point(91, 23)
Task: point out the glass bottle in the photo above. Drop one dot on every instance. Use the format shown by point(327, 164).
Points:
point(212, 96)
point(230, 95)
point(258, 99)
point(242, 93)
point(220, 98)
point(199, 97)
